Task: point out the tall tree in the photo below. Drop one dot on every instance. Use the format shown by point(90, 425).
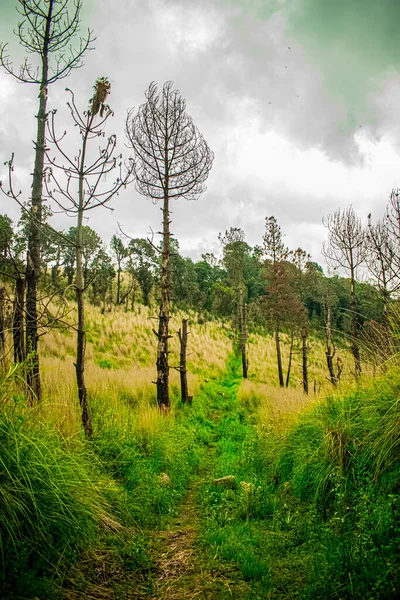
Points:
point(172, 161)
point(143, 265)
point(47, 30)
point(276, 254)
point(235, 252)
point(119, 253)
point(302, 281)
point(345, 249)
point(76, 186)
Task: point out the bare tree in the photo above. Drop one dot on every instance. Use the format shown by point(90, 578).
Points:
point(382, 258)
point(172, 161)
point(46, 30)
point(80, 190)
point(346, 249)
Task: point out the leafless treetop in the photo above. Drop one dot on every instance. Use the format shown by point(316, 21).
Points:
point(345, 246)
point(47, 28)
point(172, 157)
point(382, 256)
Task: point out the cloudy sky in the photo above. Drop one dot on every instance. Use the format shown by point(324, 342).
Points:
point(298, 99)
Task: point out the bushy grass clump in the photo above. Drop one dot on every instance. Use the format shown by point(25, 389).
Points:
point(51, 504)
point(339, 471)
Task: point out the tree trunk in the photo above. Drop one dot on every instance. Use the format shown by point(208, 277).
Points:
point(2, 321)
point(243, 332)
point(330, 352)
point(33, 257)
point(183, 336)
point(118, 285)
point(290, 359)
point(279, 356)
point(18, 321)
point(304, 356)
point(355, 348)
point(163, 320)
point(81, 336)
point(80, 291)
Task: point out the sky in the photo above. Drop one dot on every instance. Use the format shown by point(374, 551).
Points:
point(298, 99)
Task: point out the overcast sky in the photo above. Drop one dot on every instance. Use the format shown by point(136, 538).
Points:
point(298, 99)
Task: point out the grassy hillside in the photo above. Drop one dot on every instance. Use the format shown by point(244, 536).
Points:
point(312, 511)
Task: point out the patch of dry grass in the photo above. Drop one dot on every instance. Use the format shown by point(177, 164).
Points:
point(120, 366)
point(263, 364)
point(278, 407)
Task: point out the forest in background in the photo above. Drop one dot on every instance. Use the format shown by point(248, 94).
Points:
point(265, 400)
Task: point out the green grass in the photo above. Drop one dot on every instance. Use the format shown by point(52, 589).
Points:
point(314, 513)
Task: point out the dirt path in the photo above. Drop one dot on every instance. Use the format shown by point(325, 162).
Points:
point(181, 569)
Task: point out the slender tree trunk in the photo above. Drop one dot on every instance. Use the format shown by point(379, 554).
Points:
point(183, 337)
point(81, 337)
point(118, 285)
point(80, 291)
point(355, 348)
point(304, 356)
point(330, 352)
point(55, 270)
point(33, 258)
point(290, 359)
point(18, 321)
point(163, 320)
point(243, 332)
point(279, 356)
point(2, 321)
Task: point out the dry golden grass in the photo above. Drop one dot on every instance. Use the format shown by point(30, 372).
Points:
point(275, 407)
point(263, 364)
point(278, 407)
point(120, 367)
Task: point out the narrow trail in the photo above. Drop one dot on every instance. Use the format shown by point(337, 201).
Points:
point(182, 568)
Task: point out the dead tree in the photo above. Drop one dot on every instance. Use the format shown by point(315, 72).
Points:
point(183, 338)
point(345, 249)
point(382, 258)
point(242, 316)
point(46, 30)
point(172, 160)
point(74, 183)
